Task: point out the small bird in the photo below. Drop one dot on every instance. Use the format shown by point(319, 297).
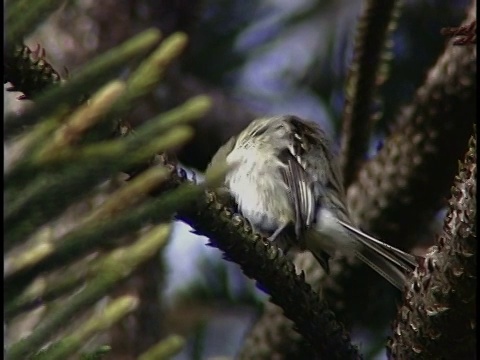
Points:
point(286, 180)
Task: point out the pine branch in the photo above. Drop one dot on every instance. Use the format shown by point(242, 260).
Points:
point(263, 261)
point(165, 349)
point(72, 342)
point(86, 80)
point(94, 233)
point(375, 25)
point(115, 267)
point(53, 166)
point(464, 35)
point(148, 319)
point(28, 71)
point(438, 316)
point(394, 194)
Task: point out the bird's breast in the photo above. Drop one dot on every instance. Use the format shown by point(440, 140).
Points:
point(261, 195)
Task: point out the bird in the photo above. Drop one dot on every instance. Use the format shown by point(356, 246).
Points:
point(286, 182)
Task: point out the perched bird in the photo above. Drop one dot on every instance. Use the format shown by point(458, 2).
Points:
point(286, 180)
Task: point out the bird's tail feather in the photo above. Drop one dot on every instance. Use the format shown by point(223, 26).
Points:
point(404, 260)
point(383, 266)
point(390, 262)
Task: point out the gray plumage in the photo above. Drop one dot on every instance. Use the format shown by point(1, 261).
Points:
point(287, 177)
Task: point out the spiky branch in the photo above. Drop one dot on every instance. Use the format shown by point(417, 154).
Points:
point(376, 23)
point(438, 315)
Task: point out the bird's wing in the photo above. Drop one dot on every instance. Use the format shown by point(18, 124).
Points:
point(301, 192)
point(302, 196)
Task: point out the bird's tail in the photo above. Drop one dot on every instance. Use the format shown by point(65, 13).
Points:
point(390, 262)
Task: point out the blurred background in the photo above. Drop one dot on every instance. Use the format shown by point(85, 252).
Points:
point(254, 58)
